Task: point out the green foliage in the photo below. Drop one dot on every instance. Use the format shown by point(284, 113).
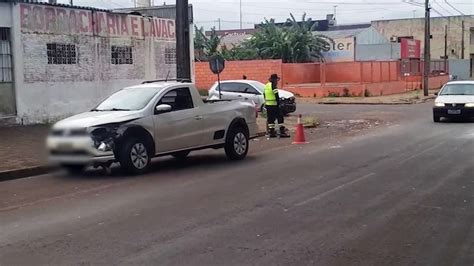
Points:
point(292, 43)
point(206, 46)
point(238, 52)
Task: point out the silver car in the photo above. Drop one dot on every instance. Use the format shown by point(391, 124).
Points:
point(140, 122)
point(251, 89)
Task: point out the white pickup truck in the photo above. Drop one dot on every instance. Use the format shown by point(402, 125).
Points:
point(153, 119)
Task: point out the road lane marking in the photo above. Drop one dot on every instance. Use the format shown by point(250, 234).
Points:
point(421, 153)
point(324, 194)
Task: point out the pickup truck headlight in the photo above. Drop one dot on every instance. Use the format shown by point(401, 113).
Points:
point(470, 105)
point(439, 104)
point(103, 137)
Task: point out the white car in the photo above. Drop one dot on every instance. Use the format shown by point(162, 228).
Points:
point(154, 119)
point(251, 89)
point(455, 100)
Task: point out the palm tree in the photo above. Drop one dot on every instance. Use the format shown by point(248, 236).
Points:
point(208, 45)
point(293, 43)
point(305, 46)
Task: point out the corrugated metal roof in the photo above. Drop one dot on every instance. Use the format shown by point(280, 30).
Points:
point(339, 34)
point(165, 11)
point(60, 5)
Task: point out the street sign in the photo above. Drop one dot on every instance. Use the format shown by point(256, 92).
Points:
point(216, 64)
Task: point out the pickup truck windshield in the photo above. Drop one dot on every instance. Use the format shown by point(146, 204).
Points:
point(127, 100)
point(458, 89)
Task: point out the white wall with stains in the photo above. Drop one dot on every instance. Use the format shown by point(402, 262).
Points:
point(46, 92)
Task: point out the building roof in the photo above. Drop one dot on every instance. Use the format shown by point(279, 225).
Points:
point(164, 11)
point(444, 17)
point(339, 34)
point(59, 5)
point(350, 26)
point(222, 33)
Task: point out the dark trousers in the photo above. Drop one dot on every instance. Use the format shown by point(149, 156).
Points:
point(274, 113)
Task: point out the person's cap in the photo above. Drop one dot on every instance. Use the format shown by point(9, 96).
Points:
point(274, 77)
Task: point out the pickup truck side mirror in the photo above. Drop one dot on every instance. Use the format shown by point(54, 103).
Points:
point(162, 108)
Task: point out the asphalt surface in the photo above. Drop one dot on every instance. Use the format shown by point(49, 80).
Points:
point(396, 195)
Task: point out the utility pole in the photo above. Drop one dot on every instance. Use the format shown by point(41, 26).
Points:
point(183, 64)
point(445, 48)
point(335, 9)
point(219, 23)
point(240, 14)
point(462, 40)
point(427, 50)
point(71, 3)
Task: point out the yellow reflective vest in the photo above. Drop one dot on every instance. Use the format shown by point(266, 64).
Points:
point(269, 94)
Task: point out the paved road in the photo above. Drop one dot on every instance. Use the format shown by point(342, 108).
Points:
point(393, 196)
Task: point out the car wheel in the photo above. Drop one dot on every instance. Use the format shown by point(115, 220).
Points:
point(74, 168)
point(436, 118)
point(134, 156)
point(181, 155)
point(237, 144)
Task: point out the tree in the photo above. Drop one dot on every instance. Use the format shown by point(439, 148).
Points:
point(238, 52)
point(293, 43)
point(305, 46)
point(199, 43)
point(206, 46)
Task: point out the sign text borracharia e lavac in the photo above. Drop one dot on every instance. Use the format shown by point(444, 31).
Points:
point(71, 21)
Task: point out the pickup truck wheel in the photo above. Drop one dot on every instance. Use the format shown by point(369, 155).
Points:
point(74, 168)
point(135, 156)
point(237, 144)
point(181, 155)
point(436, 118)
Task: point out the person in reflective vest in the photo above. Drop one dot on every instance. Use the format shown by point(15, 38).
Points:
point(272, 103)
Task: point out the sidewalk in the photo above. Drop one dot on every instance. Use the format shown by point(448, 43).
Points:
point(411, 97)
point(22, 148)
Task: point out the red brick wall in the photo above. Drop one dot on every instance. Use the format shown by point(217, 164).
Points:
point(254, 70)
point(301, 73)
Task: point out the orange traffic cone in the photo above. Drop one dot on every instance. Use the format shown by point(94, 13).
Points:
point(299, 136)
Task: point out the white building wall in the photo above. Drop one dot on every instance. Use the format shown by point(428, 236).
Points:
point(5, 15)
point(48, 92)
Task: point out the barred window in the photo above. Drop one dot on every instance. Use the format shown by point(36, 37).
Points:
point(121, 55)
point(170, 56)
point(61, 54)
point(5, 56)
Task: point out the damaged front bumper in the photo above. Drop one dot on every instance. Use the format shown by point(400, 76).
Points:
point(76, 150)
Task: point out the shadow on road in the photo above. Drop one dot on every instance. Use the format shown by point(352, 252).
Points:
point(162, 165)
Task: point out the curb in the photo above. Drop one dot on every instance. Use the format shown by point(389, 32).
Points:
point(24, 172)
point(40, 170)
point(394, 103)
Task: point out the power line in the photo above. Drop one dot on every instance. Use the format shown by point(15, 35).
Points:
point(453, 7)
point(442, 7)
point(446, 18)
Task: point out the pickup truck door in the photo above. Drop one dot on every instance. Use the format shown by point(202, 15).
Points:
point(180, 128)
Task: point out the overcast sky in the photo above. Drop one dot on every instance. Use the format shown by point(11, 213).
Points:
point(207, 12)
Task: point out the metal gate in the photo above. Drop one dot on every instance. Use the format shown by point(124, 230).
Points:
point(7, 93)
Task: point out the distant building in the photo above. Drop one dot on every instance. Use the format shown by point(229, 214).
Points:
point(351, 43)
point(59, 60)
point(414, 28)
